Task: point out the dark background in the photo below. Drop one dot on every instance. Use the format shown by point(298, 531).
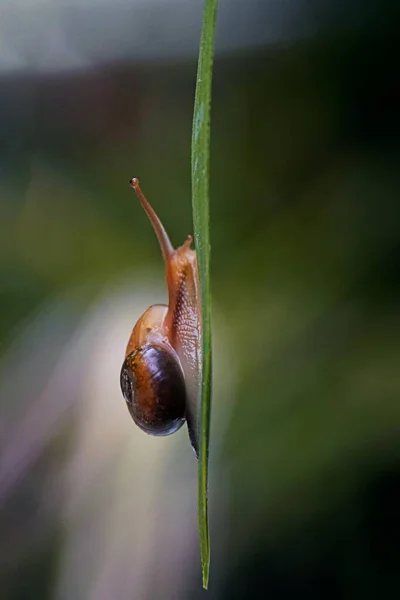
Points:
point(305, 229)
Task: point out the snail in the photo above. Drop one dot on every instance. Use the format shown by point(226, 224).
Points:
point(161, 372)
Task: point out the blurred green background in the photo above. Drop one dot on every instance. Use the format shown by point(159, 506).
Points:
point(305, 229)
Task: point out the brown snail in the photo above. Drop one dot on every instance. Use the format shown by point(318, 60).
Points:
point(161, 371)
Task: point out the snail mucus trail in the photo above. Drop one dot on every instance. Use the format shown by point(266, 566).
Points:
point(161, 372)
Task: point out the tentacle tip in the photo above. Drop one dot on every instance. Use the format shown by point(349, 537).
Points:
point(134, 182)
point(188, 241)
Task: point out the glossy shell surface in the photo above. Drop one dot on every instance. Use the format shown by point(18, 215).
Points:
point(153, 386)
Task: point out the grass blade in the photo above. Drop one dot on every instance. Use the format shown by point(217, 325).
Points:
point(201, 225)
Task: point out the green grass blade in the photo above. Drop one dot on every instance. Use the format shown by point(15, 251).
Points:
point(201, 225)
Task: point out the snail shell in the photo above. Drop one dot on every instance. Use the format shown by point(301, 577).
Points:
point(153, 386)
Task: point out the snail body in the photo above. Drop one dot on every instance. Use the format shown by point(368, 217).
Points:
point(161, 371)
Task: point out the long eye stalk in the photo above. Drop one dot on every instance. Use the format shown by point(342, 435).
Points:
point(162, 236)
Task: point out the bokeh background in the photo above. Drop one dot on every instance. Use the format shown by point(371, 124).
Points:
point(305, 228)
